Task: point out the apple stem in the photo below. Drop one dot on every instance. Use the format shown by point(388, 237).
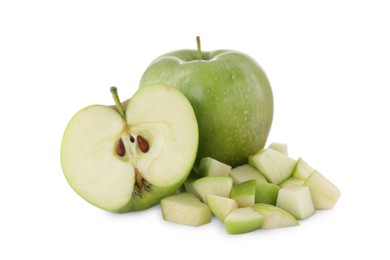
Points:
point(200, 56)
point(114, 92)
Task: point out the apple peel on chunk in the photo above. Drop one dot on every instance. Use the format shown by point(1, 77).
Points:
point(128, 159)
point(243, 220)
point(275, 217)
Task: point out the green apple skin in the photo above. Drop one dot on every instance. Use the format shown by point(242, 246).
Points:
point(231, 96)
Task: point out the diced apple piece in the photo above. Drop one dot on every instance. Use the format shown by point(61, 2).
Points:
point(291, 180)
point(323, 193)
point(211, 167)
point(186, 209)
point(296, 200)
point(275, 217)
point(216, 185)
point(244, 194)
point(266, 192)
point(243, 220)
point(245, 173)
point(275, 166)
point(279, 147)
point(189, 186)
point(302, 170)
point(221, 206)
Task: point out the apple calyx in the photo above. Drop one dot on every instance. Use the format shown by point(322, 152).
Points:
point(124, 145)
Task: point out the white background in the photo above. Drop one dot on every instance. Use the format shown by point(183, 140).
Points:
point(328, 63)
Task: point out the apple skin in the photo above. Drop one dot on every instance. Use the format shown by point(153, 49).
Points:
point(231, 97)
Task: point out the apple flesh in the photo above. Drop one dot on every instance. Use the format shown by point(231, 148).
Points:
point(211, 167)
point(296, 200)
point(230, 94)
point(245, 173)
point(215, 185)
point(244, 194)
point(324, 193)
point(291, 180)
point(275, 217)
point(279, 147)
point(275, 166)
point(221, 206)
point(186, 209)
point(122, 160)
point(302, 170)
point(243, 220)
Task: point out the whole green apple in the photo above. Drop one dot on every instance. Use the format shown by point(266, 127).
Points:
point(231, 96)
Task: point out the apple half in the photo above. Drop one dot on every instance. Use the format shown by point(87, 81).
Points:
point(128, 159)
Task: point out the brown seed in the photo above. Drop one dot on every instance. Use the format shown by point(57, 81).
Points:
point(132, 139)
point(120, 148)
point(142, 144)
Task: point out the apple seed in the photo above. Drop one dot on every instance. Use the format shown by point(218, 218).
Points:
point(120, 148)
point(142, 144)
point(132, 139)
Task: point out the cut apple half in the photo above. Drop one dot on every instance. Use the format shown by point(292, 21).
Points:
point(128, 159)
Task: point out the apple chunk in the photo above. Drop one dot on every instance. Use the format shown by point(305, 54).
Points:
point(245, 173)
point(221, 206)
point(128, 159)
point(244, 194)
point(215, 185)
point(296, 200)
point(324, 193)
point(275, 217)
point(186, 209)
point(275, 166)
point(302, 170)
point(243, 220)
point(211, 167)
point(279, 147)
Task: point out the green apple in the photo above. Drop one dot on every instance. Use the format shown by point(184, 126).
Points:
point(296, 199)
point(245, 173)
point(128, 159)
point(221, 206)
point(230, 94)
point(324, 193)
point(275, 166)
point(216, 185)
point(275, 217)
point(243, 220)
point(186, 209)
point(211, 167)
